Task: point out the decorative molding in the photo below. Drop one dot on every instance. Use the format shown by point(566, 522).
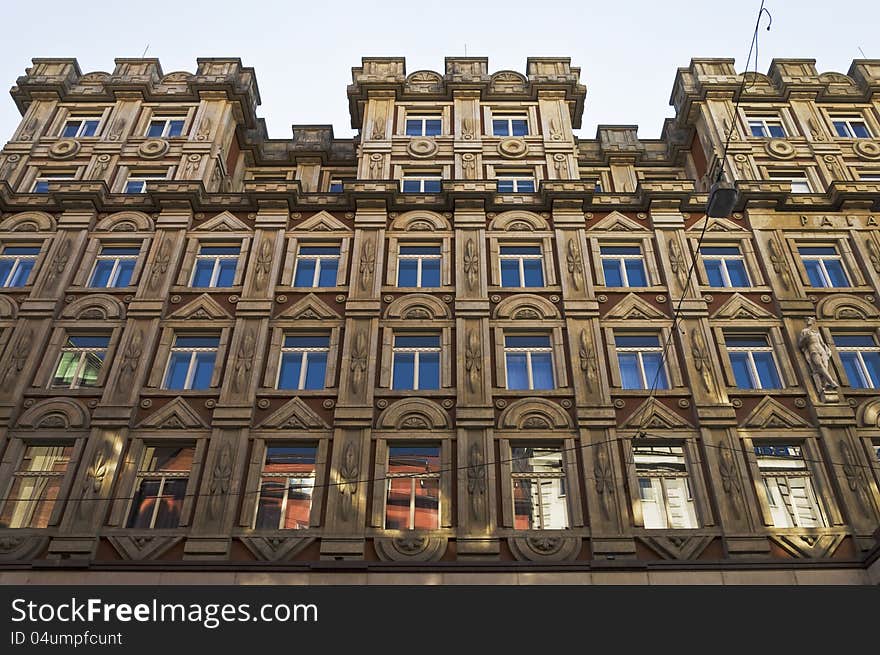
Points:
point(414, 414)
point(174, 415)
point(545, 547)
point(295, 414)
point(56, 413)
point(652, 413)
point(770, 414)
point(276, 548)
point(534, 413)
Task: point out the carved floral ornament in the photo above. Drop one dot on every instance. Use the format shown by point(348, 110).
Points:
point(153, 148)
point(64, 148)
point(422, 148)
point(513, 148)
point(867, 149)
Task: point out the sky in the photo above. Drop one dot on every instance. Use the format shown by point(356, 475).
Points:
point(303, 52)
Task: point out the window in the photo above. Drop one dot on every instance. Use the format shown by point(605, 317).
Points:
point(725, 266)
point(36, 484)
point(303, 362)
point(623, 266)
point(824, 266)
point(521, 266)
point(215, 266)
point(427, 125)
point(16, 264)
point(421, 183)
point(516, 183)
point(41, 184)
point(412, 488)
point(860, 355)
point(160, 487)
point(286, 488)
point(529, 361)
point(751, 357)
point(316, 266)
point(191, 363)
point(83, 126)
point(789, 486)
point(335, 186)
point(640, 357)
point(766, 126)
point(851, 126)
point(418, 266)
point(81, 359)
point(161, 127)
point(114, 266)
point(539, 488)
point(137, 181)
point(510, 125)
point(664, 490)
point(416, 362)
point(797, 179)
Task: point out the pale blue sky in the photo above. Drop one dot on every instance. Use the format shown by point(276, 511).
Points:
point(303, 52)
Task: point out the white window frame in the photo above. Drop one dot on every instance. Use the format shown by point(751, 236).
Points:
point(537, 477)
point(528, 350)
point(799, 180)
point(143, 178)
point(83, 353)
point(823, 271)
point(767, 473)
point(849, 119)
point(82, 120)
point(304, 360)
point(725, 275)
point(26, 507)
point(193, 351)
point(521, 258)
point(620, 258)
point(215, 271)
point(516, 179)
point(765, 120)
point(17, 259)
point(750, 357)
point(422, 116)
point(858, 350)
point(335, 181)
point(55, 177)
point(418, 258)
point(660, 478)
point(287, 477)
point(167, 127)
point(316, 277)
point(640, 351)
point(510, 117)
point(421, 178)
point(114, 272)
point(162, 476)
point(414, 478)
point(416, 351)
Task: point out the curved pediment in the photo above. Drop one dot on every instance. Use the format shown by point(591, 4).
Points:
point(127, 221)
point(96, 307)
point(534, 414)
point(525, 306)
point(28, 222)
point(518, 221)
point(60, 413)
point(841, 306)
point(418, 306)
point(414, 414)
point(420, 221)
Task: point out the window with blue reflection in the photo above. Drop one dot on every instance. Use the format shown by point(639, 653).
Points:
point(824, 266)
point(415, 362)
point(16, 264)
point(752, 361)
point(623, 266)
point(514, 125)
point(418, 266)
point(80, 128)
point(303, 362)
point(521, 266)
point(215, 266)
point(114, 267)
point(529, 362)
point(725, 266)
point(640, 360)
point(316, 266)
point(860, 356)
point(191, 363)
point(423, 126)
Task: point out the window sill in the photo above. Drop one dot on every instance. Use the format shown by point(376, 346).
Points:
point(559, 391)
point(736, 391)
point(212, 392)
point(328, 391)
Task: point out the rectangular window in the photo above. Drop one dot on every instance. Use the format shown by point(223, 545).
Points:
point(860, 355)
point(137, 181)
point(624, 266)
point(529, 361)
point(16, 264)
point(316, 266)
point(81, 359)
point(869, 177)
point(421, 183)
point(36, 484)
point(851, 126)
point(160, 487)
point(335, 186)
point(664, 489)
point(824, 266)
point(510, 125)
point(215, 266)
point(163, 128)
point(766, 126)
point(516, 183)
point(416, 362)
point(640, 357)
point(427, 125)
point(303, 362)
point(41, 184)
point(539, 488)
point(797, 179)
point(286, 488)
point(751, 357)
point(418, 266)
point(789, 487)
point(725, 266)
point(412, 488)
point(82, 126)
point(191, 362)
point(521, 266)
point(114, 266)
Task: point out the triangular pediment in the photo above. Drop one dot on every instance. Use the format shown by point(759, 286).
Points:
point(309, 308)
point(809, 546)
point(322, 222)
point(176, 415)
point(294, 415)
point(634, 307)
point(653, 414)
point(716, 225)
point(771, 414)
point(617, 222)
point(741, 307)
point(223, 222)
point(203, 307)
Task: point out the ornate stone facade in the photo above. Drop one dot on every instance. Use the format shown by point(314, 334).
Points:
point(179, 162)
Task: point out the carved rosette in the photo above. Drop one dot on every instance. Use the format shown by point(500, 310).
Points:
point(422, 148)
point(513, 148)
point(153, 148)
point(412, 547)
point(540, 547)
point(471, 264)
point(867, 149)
point(64, 149)
point(779, 149)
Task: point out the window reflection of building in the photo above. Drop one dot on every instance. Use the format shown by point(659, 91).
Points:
point(664, 488)
point(788, 484)
point(539, 488)
point(35, 487)
point(160, 488)
point(412, 498)
point(286, 488)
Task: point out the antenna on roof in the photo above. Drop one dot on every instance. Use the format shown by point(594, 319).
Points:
point(465, 50)
point(864, 56)
point(145, 51)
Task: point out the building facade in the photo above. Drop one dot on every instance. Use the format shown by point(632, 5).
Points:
point(465, 345)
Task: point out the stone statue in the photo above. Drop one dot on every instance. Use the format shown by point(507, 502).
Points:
point(817, 354)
